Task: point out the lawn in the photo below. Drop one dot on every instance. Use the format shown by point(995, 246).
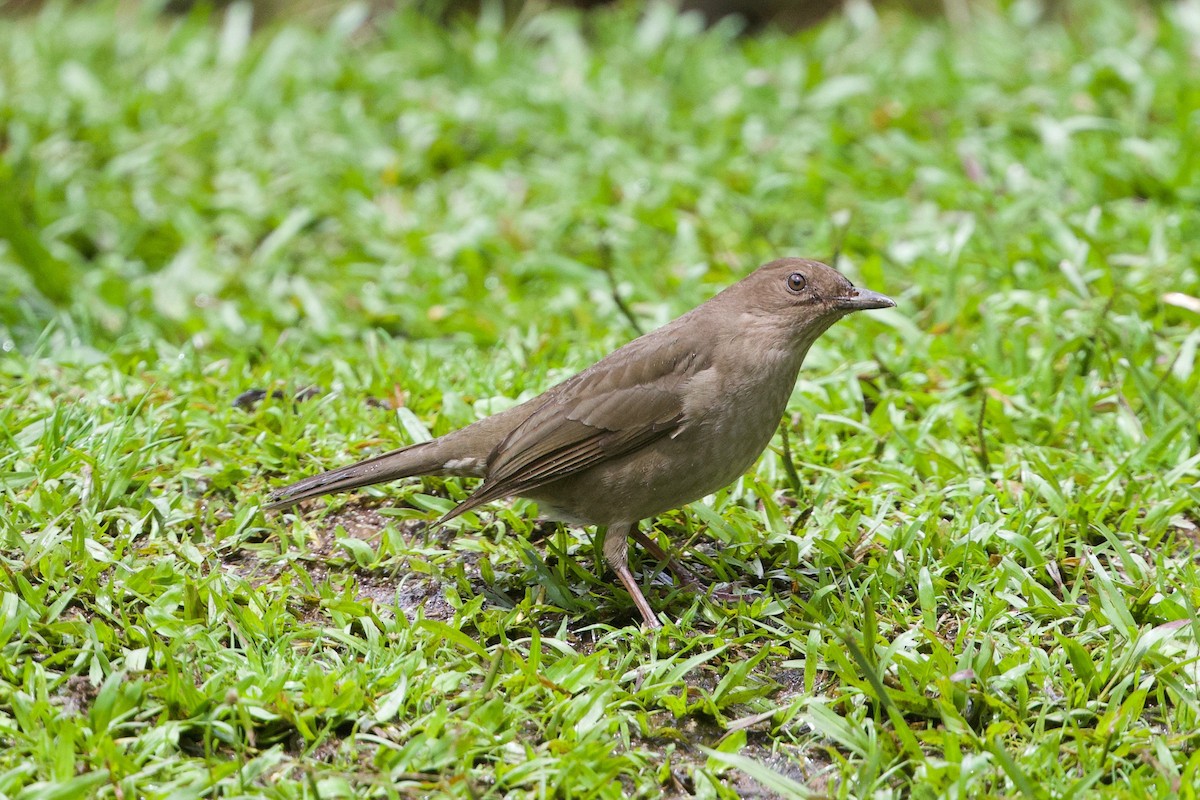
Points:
point(966, 567)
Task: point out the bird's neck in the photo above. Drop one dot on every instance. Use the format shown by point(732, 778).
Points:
point(781, 346)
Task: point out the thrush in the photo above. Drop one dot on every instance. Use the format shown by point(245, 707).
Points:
point(668, 418)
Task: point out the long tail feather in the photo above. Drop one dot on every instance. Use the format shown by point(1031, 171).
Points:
point(462, 452)
point(418, 459)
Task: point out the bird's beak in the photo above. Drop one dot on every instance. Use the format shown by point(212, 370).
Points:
point(862, 300)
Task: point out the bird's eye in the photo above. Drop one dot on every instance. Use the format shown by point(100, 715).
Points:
point(796, 283)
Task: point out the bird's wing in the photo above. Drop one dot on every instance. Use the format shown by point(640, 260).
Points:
point(622, 403)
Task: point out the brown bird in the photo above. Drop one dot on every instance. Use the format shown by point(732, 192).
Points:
point(669, 418)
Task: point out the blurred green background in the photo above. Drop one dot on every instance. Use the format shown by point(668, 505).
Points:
point(968, 571)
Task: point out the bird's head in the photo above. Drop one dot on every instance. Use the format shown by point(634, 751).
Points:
point(800, 296)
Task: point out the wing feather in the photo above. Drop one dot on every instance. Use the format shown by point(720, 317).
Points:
point(622, 403)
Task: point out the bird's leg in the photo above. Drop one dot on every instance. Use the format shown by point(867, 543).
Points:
point(681, 572)
point(685, 575)
point(616, 553)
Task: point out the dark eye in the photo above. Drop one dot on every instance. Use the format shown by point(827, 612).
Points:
point(796, 283)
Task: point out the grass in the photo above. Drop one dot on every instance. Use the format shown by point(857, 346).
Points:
point(972, 572)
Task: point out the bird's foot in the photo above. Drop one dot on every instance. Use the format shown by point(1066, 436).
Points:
point(729, 592)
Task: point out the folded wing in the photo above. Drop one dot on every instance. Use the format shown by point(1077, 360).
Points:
point(619, 405)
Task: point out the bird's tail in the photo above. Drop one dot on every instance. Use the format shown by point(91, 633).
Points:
point(425, 458)
point(464, 452)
